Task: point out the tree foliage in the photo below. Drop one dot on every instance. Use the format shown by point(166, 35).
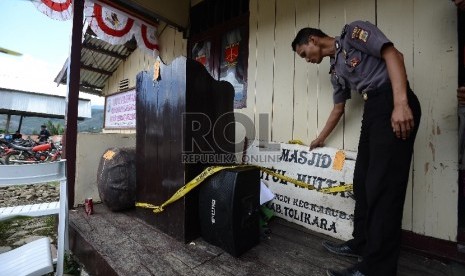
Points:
point(55, 129)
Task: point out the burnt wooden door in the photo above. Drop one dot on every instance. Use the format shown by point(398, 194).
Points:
point(170, 111)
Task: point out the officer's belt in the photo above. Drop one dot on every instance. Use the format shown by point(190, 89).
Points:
point(384, 88)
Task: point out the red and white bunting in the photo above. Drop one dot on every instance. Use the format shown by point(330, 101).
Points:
point(147, 39)
point(108, 23)
point(55, 9)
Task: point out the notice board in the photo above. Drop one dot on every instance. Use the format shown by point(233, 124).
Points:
point(120, 110)
point(330, 214)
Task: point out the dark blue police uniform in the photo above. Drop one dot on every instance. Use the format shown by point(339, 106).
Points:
point(383, 160)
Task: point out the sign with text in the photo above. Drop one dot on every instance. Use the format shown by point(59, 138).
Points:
point(120, 110)
point(330, 214)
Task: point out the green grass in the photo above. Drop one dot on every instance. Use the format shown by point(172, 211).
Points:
point(10, 226)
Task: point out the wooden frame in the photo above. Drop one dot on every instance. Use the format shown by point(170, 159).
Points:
point(128, 91)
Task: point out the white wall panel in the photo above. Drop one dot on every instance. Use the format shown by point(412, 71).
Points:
point(305, 78)
point(332, 19)
point(245, 126)
point(435, 160)
point(266, 15)
point(283, 96)
point(400, 32)
point(355, 10)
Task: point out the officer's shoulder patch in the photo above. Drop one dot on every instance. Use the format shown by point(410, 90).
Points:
point(361, 34)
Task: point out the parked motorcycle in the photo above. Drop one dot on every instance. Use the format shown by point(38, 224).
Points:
point(18, 154)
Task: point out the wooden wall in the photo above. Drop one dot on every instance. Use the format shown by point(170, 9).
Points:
point(171, 45)
point(298, 96)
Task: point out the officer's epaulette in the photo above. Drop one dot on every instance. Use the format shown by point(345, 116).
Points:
point(344, 30)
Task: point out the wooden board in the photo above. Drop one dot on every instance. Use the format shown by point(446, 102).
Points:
point(355, 10)
point(167, 48)
point(330, 214)
point(283, 75)
point(265, 62)
point(117, 243)
point(245, 118)
point(400, 32)
point(332, 19)
point(305, 78)
point(435, 160)
point(180, 45)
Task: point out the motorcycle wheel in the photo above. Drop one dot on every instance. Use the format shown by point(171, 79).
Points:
point(13, 157)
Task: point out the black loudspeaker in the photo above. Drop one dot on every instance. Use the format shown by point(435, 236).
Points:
point(229, 204)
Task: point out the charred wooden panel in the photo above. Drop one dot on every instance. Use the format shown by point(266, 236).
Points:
point(213, 13)
point(166, 111)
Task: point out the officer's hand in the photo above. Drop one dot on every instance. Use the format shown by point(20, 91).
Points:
point(461, 95)
point(316, 143)
point(402, 121)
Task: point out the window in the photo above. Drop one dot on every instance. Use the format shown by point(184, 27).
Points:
point(220, 43)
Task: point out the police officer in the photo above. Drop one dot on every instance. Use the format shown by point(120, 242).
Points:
point(363, 59)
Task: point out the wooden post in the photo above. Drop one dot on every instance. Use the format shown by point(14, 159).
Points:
point(70, 139)
point(7, 127)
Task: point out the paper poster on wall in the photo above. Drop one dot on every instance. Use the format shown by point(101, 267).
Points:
point(330, 214)
point(233, 65)
point(120, 110)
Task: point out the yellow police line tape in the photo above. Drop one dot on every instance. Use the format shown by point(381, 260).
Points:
point(214, 169)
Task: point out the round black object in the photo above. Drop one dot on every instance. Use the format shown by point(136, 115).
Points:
point(116, 178)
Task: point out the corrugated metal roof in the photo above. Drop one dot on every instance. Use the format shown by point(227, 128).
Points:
point(17, 102)
point(99, 60)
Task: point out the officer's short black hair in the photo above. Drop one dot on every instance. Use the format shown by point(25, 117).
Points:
point(44, 126)
point(303, 35)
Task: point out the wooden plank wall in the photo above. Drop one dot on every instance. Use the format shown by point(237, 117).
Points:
point(171, 45)
point(297, 97)
point(403, 41)
point(435, 78)
point(290, 99)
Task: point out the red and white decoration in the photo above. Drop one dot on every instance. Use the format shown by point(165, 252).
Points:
point(55, 9)
point(108, 23)
point(147, 38)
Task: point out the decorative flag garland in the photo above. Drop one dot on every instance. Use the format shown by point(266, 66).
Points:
point(55, 9)
point(147, 36)
point(109, 24)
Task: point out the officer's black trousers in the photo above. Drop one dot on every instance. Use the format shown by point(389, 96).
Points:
point(380, 181)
